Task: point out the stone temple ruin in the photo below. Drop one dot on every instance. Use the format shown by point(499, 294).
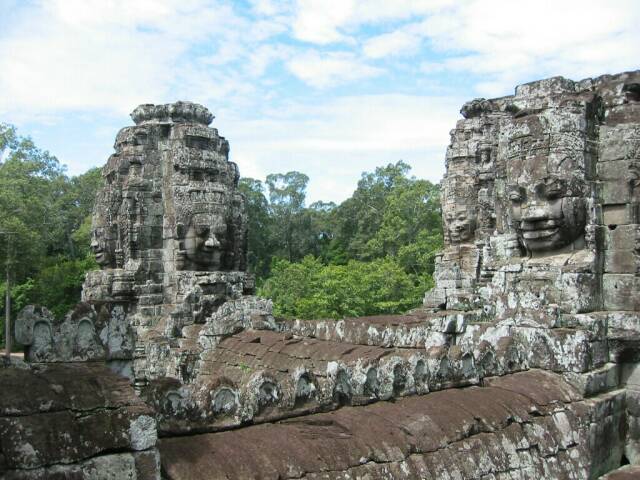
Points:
point(523, 362)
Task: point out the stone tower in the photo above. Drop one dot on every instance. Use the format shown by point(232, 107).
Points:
point(540, 203)
point(169, 227)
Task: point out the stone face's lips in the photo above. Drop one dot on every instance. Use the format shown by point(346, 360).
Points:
point(540, 224)
point(461, 234)
point(540, 229)
point(210, 256)
point(99, 254)
point(539, 234)
point(213, 253)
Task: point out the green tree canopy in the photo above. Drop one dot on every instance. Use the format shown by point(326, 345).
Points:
point(311, 290)
point(287, 193)
point(45, 217)
point(373, 253)
point(359, 218)
point(260, 237)
point(31, 183)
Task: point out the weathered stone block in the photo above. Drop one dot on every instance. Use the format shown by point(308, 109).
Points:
point(620, 291)
point(596, 381)
point(74, 417)
point(619, 142)
point(612, 192)
point(622, 261)
point(629, 321)
point(622, 237)
point(107, 467)
point(580, 292)
point(607, 432)
point(617, 214)
point(626, 472)
point(594, 322)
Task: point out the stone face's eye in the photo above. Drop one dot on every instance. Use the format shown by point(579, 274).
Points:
point(516, 195)
point(553, 193)
point(554, 188)
point(140, 139)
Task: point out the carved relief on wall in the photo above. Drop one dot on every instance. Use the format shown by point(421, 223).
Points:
point(460, 223)
point(546, 184)
point(104, 229)
point(205, 242)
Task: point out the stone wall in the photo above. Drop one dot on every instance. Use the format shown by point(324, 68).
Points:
point(528, 425)
point(73, 421)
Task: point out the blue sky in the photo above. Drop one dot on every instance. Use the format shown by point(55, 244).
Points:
point(328, 88)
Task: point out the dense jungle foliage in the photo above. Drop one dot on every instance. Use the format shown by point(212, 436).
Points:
point(373, 253)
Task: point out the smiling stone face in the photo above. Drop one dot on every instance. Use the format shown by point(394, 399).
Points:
point(103, 240)
point(99, 247)
point(546, 185)
point(206, 241)
point(460, 223)
point(548, 213)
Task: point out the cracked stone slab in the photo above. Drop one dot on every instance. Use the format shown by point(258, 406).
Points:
point(530, 423)
point(70, 414)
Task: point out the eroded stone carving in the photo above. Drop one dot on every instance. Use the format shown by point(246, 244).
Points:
point(546, 176)
point(460, 223)
point(549, 172)
point(169, 233)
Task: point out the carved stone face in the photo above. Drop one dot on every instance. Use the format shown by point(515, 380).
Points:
point(206, 241)
point(101, 246)
point(460, 224)
point(549, 213)
point(546, 184)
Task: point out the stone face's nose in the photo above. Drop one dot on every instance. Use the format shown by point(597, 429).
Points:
point(535, 213)
point(94, 244)
point(212, 242)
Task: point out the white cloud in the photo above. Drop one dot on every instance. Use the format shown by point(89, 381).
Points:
point(263, 56)
point(271, 8)
point(323, 70)
point(431, 67)
point(83, 54)
point(509, 42)
point(330, 21)
point(335, 141)
point(99, 59)
point(381, 11)
point(505, 42)
point(318, 21)
point(395, 43)
point(88, 55)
